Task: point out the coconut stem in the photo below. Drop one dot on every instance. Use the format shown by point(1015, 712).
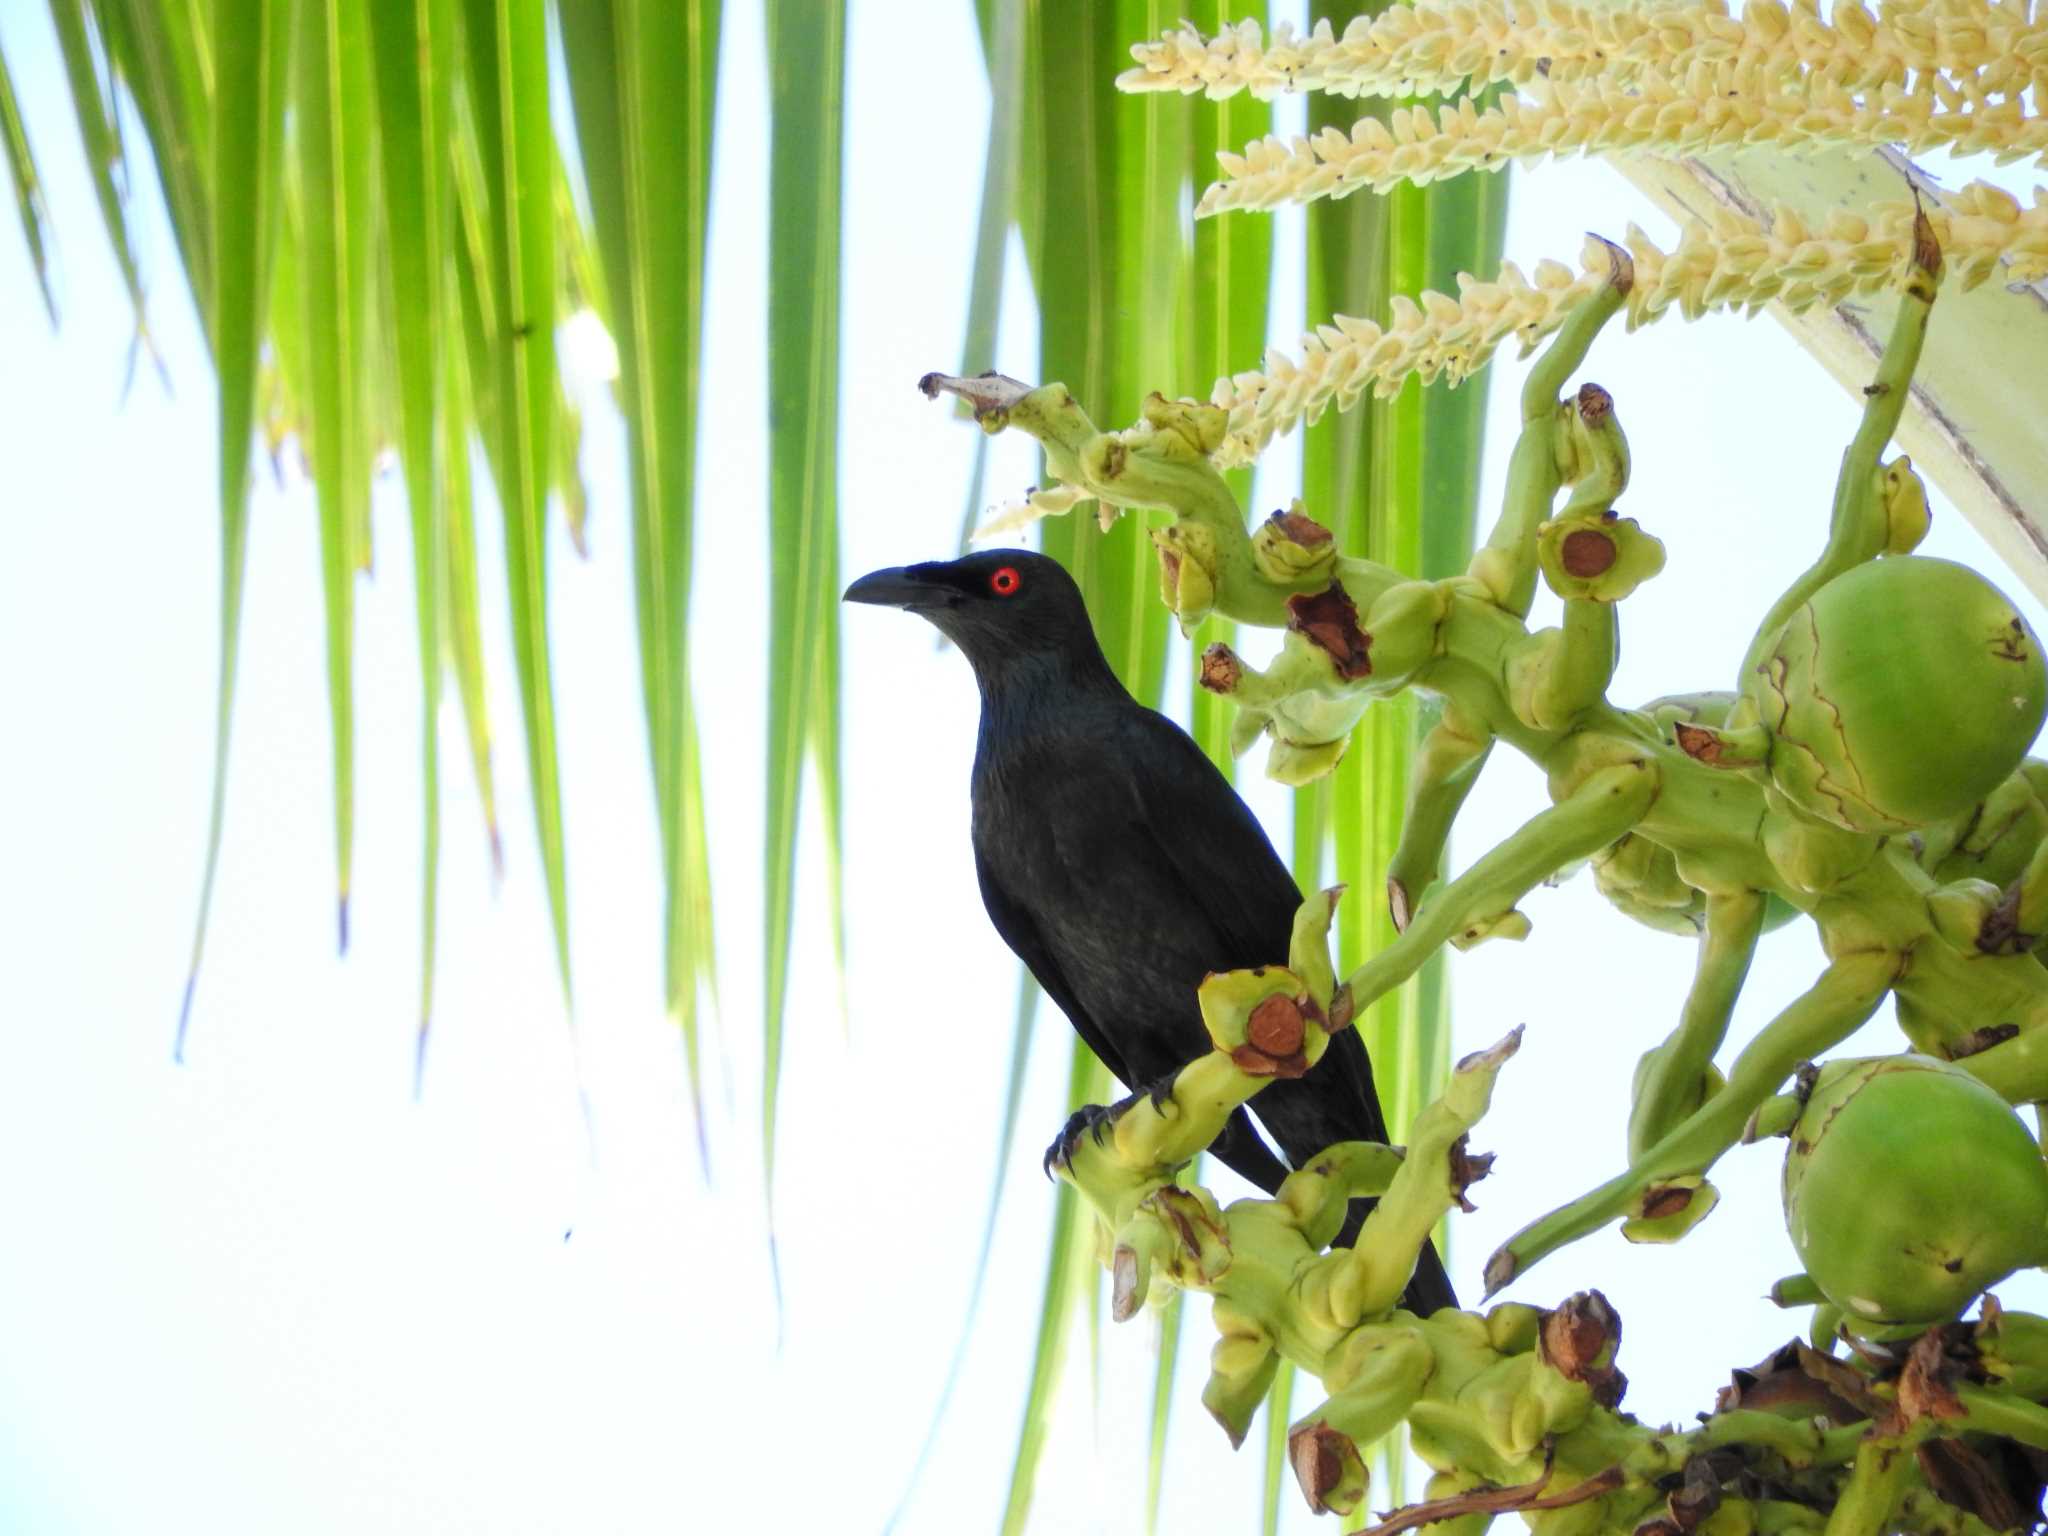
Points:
point(1442, 775)
point(1600, 810)
point(1860, 528)
point(1672, 1077)
point(1847, 993)
point(1873, 1488)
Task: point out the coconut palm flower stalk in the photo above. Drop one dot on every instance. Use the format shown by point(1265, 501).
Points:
point(1716, 814)
point(1518, 1409)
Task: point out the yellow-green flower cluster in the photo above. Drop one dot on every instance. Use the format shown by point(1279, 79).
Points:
point(1736, 265)
point(1440, 45)
point(1701, 111)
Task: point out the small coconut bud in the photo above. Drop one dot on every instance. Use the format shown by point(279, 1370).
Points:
point(1291, 548)
point(1513, 1327)
point(1669, 1208)
point(1187, 571)
point(1906, 516)
point(1298, 763)
point(1510, 925)
point(1199, 427)
point(1241, 1368)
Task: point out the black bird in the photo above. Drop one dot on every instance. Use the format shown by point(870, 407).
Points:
point(1119, 863)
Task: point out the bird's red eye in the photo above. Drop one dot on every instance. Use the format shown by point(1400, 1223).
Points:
point(1004, 581)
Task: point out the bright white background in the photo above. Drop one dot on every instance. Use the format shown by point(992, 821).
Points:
point(268, 1291)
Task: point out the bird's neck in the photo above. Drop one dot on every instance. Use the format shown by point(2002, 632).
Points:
point(1035, 685)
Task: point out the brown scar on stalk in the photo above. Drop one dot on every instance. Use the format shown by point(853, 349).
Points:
point(1399, 907)
point(1587, 552)
point(1665, 1200)
point(1169, 562)
point(1982, 1039)
point(1330, 619)
point(1221, 670)
point(1273, 1037)
point(1300, 528)
point(1707, 745)
point(1467, 1168)
point(1595, 405)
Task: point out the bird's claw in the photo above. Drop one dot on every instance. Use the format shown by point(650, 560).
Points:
point(1160, 1093)
point(1096, 1119)
point(1088, 1120)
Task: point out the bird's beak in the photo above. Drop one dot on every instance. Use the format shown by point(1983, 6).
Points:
point(898, 587)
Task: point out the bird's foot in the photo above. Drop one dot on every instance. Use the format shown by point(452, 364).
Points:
point(1160, 1092)
point(1088, 1120)
point(1096, 1120)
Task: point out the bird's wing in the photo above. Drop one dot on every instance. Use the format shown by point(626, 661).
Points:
point(1224, 860)
point(1212, 841)
point(1021, 933)
point(1238, 1145)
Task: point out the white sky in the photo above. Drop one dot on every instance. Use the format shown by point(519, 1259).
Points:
point(268, 1291)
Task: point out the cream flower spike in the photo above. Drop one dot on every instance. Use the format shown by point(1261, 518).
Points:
point(1737, 265)
point(1437, 47)
point(1706, 110)
point(1053, 500)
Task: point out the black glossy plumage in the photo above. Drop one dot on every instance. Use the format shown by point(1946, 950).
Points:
point(1119, 863)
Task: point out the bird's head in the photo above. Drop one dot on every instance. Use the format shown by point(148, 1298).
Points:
point(1000, 606)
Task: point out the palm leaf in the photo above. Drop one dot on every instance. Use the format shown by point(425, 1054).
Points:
point(254, 63)
point(100, 131)
point(333, 108)
point(1003, 48)
point(1170, 1317)
point(411, 108)
point(1346, 272)
point(158, 51)
point(1076, 237)
point(1229, 291)
point(28, 186)
point(643, 77)
point(1028, 997)
point(1069, 169)
point(461, 598)
point(1069, 1271)
point(806, 68)
point(1148, 260)
point(1279, 1405)
point(1466, 227)
point(508, 84)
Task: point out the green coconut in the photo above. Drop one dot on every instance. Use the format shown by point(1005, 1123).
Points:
point(1911, 1187)
point(1903, 692)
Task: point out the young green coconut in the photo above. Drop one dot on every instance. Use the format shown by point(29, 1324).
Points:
point(1902, 692)
point(1910, 1188)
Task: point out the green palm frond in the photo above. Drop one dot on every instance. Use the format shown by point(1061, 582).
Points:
point(507, 78)
point(243, 228)
point(413, 112)
point(643, 80)
point(28, 186)
point(99, 130)
point(806, 66)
